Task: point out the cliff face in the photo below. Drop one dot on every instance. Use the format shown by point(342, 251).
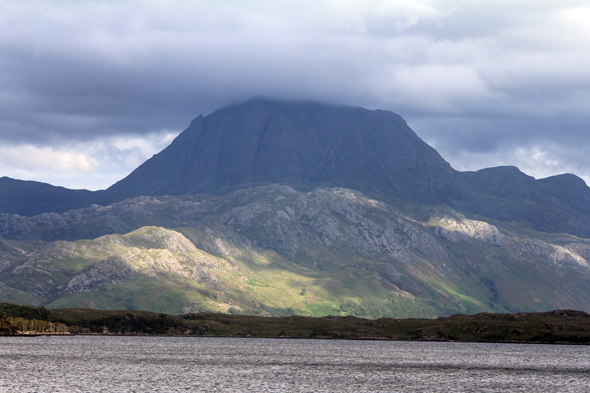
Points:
point(305, 145)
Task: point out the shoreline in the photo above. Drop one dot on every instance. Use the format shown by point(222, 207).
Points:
point(567, 327)
point(293, 338)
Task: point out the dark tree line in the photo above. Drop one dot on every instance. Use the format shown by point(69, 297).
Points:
point(17, 325)
point(133, 324)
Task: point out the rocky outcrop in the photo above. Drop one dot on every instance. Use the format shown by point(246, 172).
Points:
point(332, 218)
point(553, 253)
point(581, 249)
point(114, 259)
point(113, 270)
point(460, 229)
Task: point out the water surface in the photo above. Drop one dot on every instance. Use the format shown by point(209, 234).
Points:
point(191, 364)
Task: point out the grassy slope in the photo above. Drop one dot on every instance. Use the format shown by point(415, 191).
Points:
point(213, 267)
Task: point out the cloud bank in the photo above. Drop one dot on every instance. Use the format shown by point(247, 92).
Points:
point(89, 89)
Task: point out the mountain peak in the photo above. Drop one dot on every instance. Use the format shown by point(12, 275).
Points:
point(300, 143)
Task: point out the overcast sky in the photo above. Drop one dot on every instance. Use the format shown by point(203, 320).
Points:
point(90, 89)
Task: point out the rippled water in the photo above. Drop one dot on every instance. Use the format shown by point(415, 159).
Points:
point(179, 364)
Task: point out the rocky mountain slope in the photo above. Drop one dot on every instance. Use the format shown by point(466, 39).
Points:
point(556, 204)
point(272, 250)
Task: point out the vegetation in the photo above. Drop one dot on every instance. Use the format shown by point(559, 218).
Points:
point(272, 251)
point(561, 326)
point(15, 320)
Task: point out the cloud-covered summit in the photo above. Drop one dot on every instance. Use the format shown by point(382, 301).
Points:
point(91, 89)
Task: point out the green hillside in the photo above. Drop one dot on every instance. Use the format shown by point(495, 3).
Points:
point(274, 251)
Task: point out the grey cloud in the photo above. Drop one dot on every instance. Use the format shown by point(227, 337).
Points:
point(486, 134)
point(472, 77)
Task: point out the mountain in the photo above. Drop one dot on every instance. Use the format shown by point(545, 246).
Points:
point(555, 204)
point(272, 250)
point(307, 145)
point(280, 208)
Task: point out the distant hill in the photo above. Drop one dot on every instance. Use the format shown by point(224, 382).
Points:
point(29, 198)
point(555, 204)
point(307, 145)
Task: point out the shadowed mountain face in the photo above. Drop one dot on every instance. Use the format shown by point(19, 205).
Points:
point(305, 145)
point(308, 145)
point(555, 204)
point(30, 198)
